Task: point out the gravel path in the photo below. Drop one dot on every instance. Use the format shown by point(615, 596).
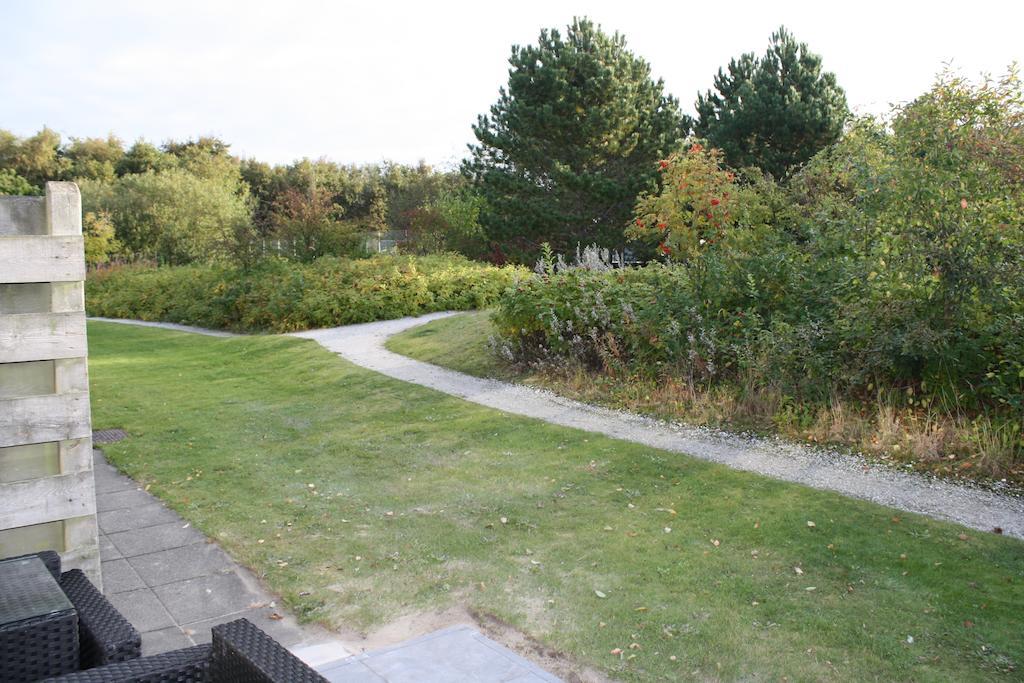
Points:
point(969, 505)
point(168, 326)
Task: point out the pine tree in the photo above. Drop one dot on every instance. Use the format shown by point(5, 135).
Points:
point(567, 148)
point(775, 112)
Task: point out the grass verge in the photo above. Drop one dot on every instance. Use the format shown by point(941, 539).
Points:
point(359, 498)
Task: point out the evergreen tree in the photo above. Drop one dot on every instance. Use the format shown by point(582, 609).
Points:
point(775, 112)
point(567, 148)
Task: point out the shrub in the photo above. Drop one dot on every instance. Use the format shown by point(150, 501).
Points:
point(280, 296)
point(894, 261)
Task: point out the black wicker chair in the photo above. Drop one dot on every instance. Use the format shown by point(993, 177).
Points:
point(110, 646)
point(240, 653)
point(104, 635)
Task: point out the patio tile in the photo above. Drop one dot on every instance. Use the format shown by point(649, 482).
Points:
point(351, 671)
point(142, 609)
point(108, 481)
point(180, 564)
point(455, 654)
point(117, 500)
point(108, 551)
point(205, 597)
point(119, 577)
point(283, 631)
point(164, 640)
point(114, 521)
point(324, 653)
point(155, 538)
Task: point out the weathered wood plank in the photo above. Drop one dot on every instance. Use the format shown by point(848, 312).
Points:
point(22, 216)
point(42, 336)
point(48, 499)
point(35, 419)
point(75, 455)
point(41, 258)
point(81, 548)
point(63, 209)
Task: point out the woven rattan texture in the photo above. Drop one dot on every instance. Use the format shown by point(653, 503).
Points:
point(105, 636)
point(242, 653)
point(190, 665)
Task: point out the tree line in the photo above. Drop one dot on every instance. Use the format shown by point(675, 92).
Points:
point(560, 158)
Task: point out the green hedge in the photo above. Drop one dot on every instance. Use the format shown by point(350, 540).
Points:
point(279, 296)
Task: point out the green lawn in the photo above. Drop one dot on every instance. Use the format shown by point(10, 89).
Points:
point(460, 342)
point(361, 498)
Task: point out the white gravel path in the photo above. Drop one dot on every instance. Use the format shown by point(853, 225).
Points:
point(168, 326)
point(972, 506)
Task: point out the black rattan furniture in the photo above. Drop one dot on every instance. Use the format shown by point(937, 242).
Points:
point(240, 653)
point(104, 636)
point(188, 665)
point(109, 646)
point(243, 653)
point(38, 624)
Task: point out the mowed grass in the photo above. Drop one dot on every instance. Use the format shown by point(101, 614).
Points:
point(460, 342)
point(359, 499)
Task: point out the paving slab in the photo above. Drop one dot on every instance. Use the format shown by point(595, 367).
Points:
point(111, 482)
point(108, 551)
point(117, 500)
point(120, 577)
point(124, 519)
point(204, 597)
point(180, 564)
point(164, 640)
point(278, 629)
point(142, 609)
point(155, 538)
point(459, 653)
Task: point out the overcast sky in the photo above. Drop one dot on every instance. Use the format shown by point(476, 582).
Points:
point(372, 80)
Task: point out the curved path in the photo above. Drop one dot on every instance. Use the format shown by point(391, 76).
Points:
point(971, 506)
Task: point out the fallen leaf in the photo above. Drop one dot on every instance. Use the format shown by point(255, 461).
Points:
point(963, 537)
point(640, 609)
point(634, 646)
point(617, 652)
point(968, 623)
point(600, 594)
point(276, 617)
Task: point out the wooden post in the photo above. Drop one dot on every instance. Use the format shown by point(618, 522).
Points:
point(47, 491)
